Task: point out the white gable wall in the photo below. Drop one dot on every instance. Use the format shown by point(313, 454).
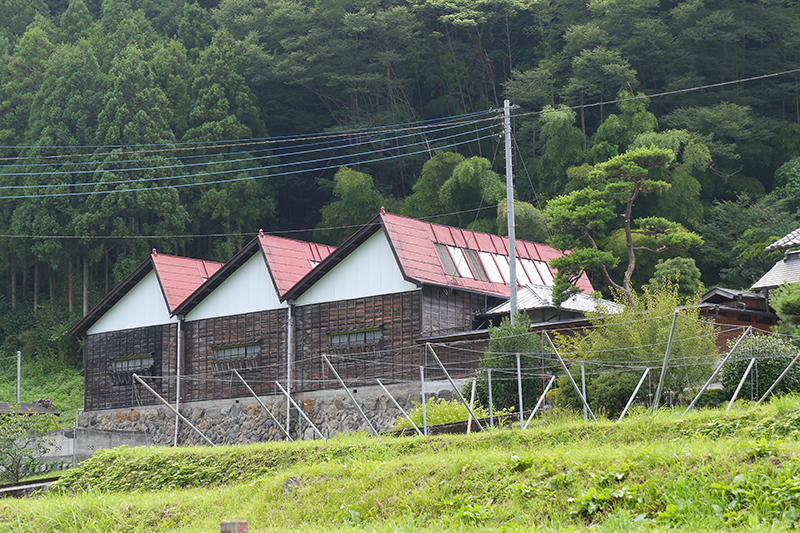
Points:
point(142, 306)
point(370, 270)
point(247, 290)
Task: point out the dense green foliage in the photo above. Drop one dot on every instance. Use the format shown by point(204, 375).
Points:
point(22, 443)
point(441, 411)
point(122, 72)
point(620, 345)
point(708, 471)
point(772, 354)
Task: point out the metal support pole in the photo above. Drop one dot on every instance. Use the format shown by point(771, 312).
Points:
point(471, 404)
point(583, 390)
point(455, 389)
point(540, 401)
point(783, 374)
point(491, 407)
point(741, 382)
point(512, 249)
point(264, 407)
point(660, 386)
point(519, 390)
point(633, 396)
point(389, 394)
point(424, 407)
point(169, 406)
point(177, 381)
point(350, 394)
point(571, 380)
point(719, 367)
point(19, 375)
point(302, 413)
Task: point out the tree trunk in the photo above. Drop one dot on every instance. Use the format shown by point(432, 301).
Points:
point(36, 288)
point(105, 263)
point(24, 284)
point(70, 306)
point(52, 282)
point(13, 289)
point(85, 285)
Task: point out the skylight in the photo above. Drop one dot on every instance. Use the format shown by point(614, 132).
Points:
point(533, 274)
point(491, 267)
point(502, 264)
point(460, 262)
point(544, 271)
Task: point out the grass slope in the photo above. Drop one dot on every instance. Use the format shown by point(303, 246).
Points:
point(737, 471)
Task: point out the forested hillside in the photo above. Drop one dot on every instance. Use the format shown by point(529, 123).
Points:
point(85, 83)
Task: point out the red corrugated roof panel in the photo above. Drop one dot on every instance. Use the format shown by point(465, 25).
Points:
point(181, 276)
point(289, 259)
point(413, 241)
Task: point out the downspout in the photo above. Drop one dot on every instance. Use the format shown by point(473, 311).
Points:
point(177, 381)
point(289, 354)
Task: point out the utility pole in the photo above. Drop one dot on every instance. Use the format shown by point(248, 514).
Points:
point(512, 245)
point(19, 373)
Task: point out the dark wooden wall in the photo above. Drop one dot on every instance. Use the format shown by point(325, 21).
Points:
point(100, 389)
point(266, 328)
point(447, 310)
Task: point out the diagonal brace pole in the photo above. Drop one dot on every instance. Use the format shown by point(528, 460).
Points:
point(350, 394)
point(719, 367)
point(165, 402)
point(783, 374)
point(452, 383)
point(571, 380)
point(633, 396)
point(264, 407)
point(741, 383)
point(539, 402)
point(389, 394)
point(660, 386)
point(299, 410)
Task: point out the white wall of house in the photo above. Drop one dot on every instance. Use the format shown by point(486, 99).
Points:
point(142, 306)
point(247, 290)
point(370, 270)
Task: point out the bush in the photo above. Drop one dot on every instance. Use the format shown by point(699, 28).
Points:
point(772, 355)
point(505, 341)
point(441, 411)
point(22, 443)
point(636, 337)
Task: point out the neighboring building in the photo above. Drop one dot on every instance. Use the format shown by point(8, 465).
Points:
point(132, 329)
point(731, 307)
point(787, 270)
point(279, 304)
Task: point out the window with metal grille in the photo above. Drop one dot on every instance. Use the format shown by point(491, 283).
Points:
point(133, 364)
point(238, 351)
point(355, 338)
point(447, 261)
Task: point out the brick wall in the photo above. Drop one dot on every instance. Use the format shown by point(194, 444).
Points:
point(104, 390)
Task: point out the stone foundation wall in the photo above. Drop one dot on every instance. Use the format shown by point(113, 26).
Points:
point(240, 421)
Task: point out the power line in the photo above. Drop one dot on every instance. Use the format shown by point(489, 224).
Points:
point(221, 161)
point(663, 93)
point(232, 180)
point(246, 140)
point(219, 172)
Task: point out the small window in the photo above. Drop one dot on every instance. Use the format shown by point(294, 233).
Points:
point(313, 263)
point(133, 364)
point(502, 264)
point(491, 267)
point(533, 274)
point(446, 259)
point(355, 338)
point(544, 271)
point(460, 261)
point(475, 264)
point(236, 352)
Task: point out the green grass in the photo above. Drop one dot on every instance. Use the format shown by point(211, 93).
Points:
point(737, 471)
point(41, 378)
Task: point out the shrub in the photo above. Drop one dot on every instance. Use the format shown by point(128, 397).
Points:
point(441, 411)
point(772, 355)
point(22, 443)
point(637, 337)
point(505, 341)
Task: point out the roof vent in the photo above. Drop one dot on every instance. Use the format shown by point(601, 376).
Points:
point(154, 252)
point(261, 232)
point(383, 211)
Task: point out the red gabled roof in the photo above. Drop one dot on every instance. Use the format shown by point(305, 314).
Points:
point(289, 259)
point(181, 276)
point(413, 242)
